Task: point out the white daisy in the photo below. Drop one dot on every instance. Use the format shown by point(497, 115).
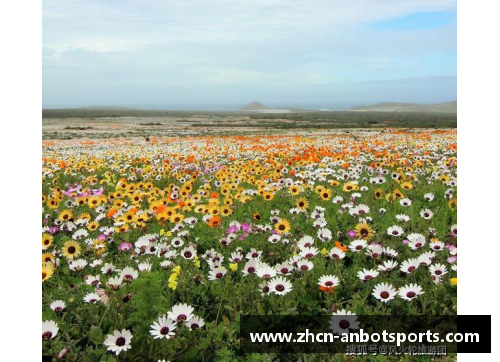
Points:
point(265, 271)
point(304, 265)
point(357, 245)
point(337, 253)
point(342, 321)
point(195, 323)
point(409, 266)
point(410, 291)
point(91, 298)
point(367, 274)
point(280, 286)
point(128, 274)
point(181, 313)
point(395, 230)
point(49, 330)
point(426, 214)
point(388, 265)
point(163, 328)
point(57, 306)
point(118, 341)
point(438, 270)
point(217, 273)
point(384, 292)
point(328, 281)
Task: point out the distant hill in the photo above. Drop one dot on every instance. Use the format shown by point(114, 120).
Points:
point(449, 107)
point(258, 107)
point(254, 106)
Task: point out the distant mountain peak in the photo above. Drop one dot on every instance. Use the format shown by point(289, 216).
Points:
point(254, 106)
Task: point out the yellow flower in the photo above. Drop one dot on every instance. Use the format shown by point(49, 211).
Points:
point(453, 281)
point(324, 252)
point(47, 271)
point(172, 280)
point(282, 227)
point(71, 249)
point(233, 266)
point(162, 232)
point(196, 262)
point(169, 233)
point(177, 269)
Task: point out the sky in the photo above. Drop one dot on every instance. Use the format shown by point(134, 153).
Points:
point(223, 54)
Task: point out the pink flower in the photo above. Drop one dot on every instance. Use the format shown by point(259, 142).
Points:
point(405, 241)
point(351, 233)
point(125, 246)
point(245, 228)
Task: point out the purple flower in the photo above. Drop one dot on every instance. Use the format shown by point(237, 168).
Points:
point(232, 229)
point(351, 233)
point(245, 228)
point(53, 229)
point(125, 246)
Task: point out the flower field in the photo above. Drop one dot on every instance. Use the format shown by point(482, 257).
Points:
point(152, 250)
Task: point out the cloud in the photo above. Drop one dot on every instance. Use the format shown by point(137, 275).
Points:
point(224, 44)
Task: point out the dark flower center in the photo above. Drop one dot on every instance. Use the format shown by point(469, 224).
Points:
point(368, 277)
point(251, 270)
point(181, 318)
point(410, 294)
point(329, 283)
point(164, 330)
point(384, 295)
point(410, 269)
point(438, 272)
point(46, 336)
point(344, 324)
point(188, 254)
point(71, 250)
point(265, 289)
point(304, 267)
point(120, 341)
point(195, 326)
point(280, 287)
point(219, 275)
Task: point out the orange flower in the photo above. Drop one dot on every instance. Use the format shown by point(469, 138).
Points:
point(214, 221)
point(214, 195)
point(111, 213)
point(328, 290)
point(341, 246)
point(160, 209)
